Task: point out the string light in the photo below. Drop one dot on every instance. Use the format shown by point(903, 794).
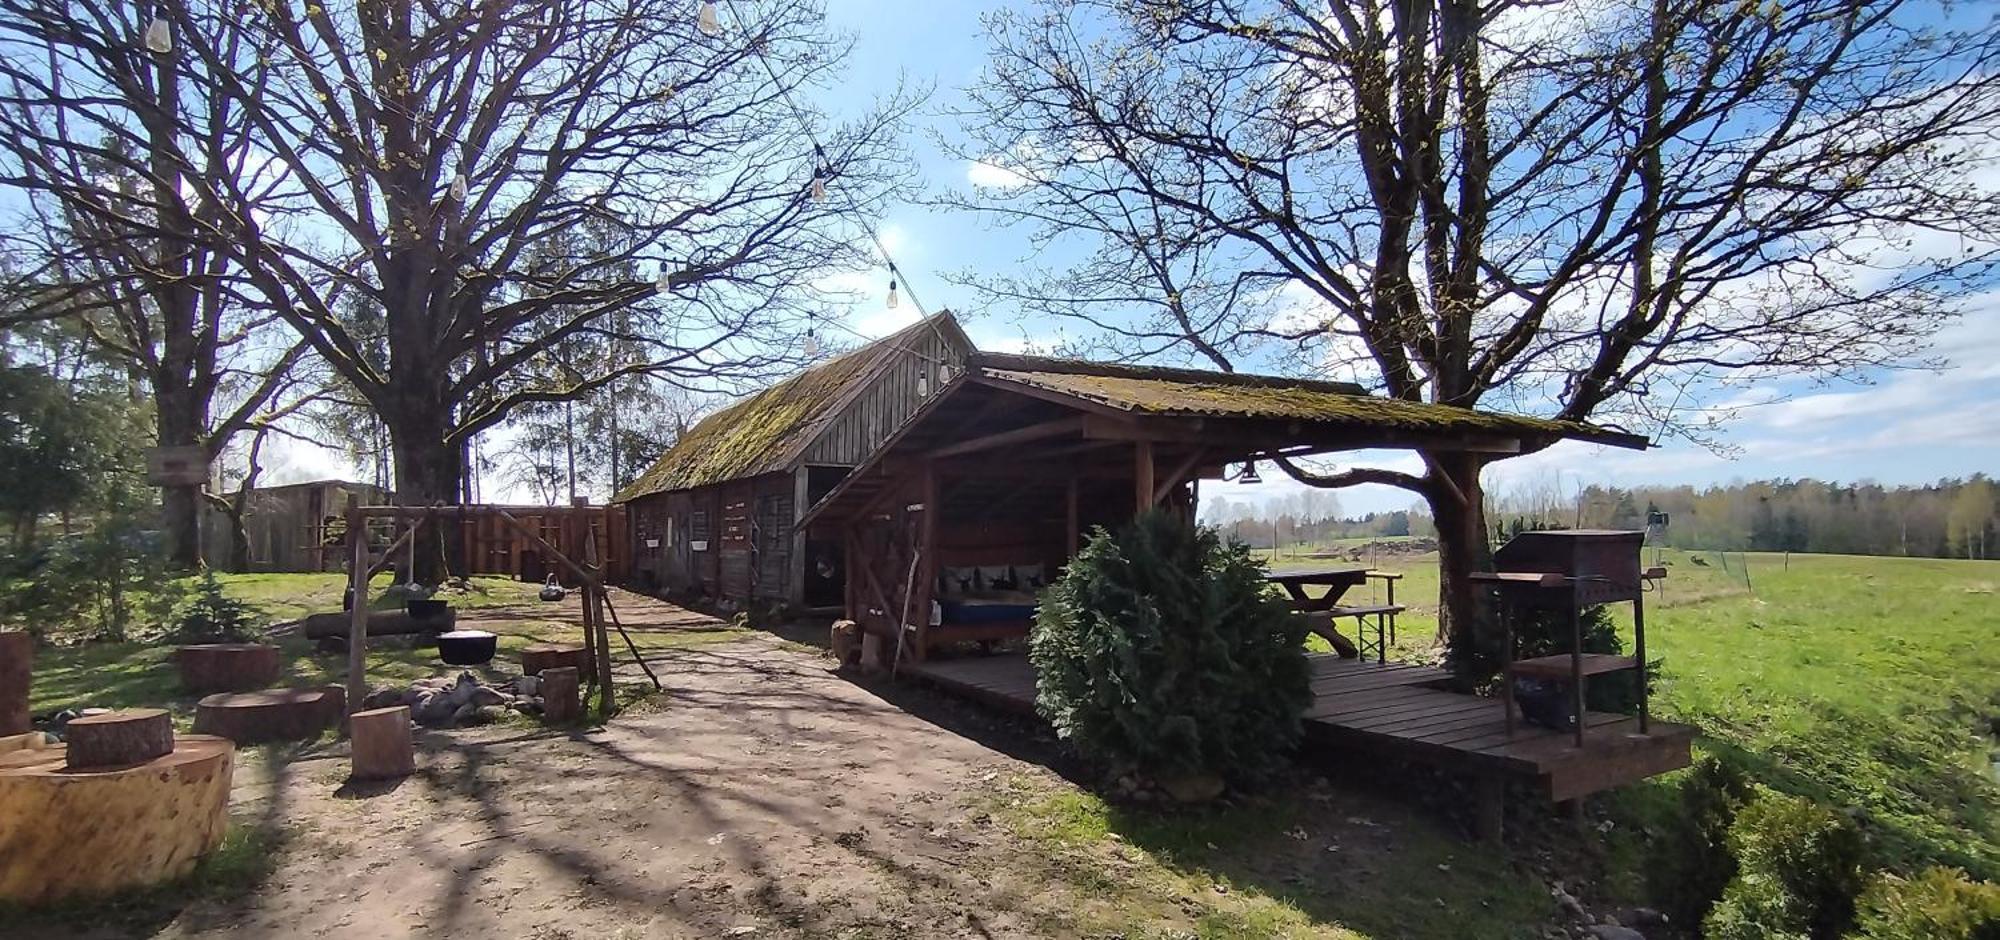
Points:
point(664, 282)
point(812, 343)
point(710, 23)
point(819, 186)
point(893, 302)
point(159, 37)
point(460, 187)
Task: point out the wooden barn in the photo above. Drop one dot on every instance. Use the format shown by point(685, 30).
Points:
point(717, 515)
point(286, 526)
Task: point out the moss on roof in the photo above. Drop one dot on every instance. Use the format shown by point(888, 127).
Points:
point(756, 435)
point(1221, 395)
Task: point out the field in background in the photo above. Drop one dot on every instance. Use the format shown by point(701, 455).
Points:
point(1866, 682)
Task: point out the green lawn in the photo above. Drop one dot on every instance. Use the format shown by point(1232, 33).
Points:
point(1870, 683)
point(117, 675)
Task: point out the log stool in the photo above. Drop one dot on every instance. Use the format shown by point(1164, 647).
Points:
point(227, 667)
point(269, 715)
point(539, 656)
point(382, 747)
point(17, 657)
point(561, 701)
point(118, 739)
point(68, 829)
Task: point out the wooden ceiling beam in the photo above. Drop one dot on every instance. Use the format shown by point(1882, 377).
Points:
point(1033, 432)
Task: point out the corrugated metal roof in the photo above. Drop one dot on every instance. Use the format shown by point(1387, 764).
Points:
point(1186, 393)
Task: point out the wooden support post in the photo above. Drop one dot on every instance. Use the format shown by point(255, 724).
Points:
point(926, 549)
point(1490, 807)
point(1639, 650)
point(1142, 470)
point(382, 746)
point(1073, 524)
point(1576, 665)
point(357, 619)
point(594, 601)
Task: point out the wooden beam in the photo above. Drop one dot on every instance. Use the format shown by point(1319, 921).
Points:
point(1074, 523)
point(357, 618)
point(1142, 474)
point(1033, 432)
point(1180, 472)
point(1259, 437)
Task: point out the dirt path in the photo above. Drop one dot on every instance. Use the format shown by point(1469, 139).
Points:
point(764, 796)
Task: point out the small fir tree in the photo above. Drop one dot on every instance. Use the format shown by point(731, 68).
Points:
point(1160, 652)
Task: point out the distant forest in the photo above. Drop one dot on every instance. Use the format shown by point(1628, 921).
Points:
point(1952, 518)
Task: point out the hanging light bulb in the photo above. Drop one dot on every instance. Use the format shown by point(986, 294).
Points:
point(923, 383)
point(819, 186)
point(1249, 474)
point(159, 36)
point(664, 283)
point(709, 19)
point(812, 343)
point(460, 186)
point(893, 302)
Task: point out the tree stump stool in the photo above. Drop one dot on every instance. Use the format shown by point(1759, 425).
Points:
point(227, 667)
point(269, 715)
point(17, 658)
point(335, 704)
point(118, 739)
point(69, 832)
point(539, 656)
point(382, 745)
point(562, 702)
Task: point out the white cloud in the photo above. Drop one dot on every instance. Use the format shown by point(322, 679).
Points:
point(991, 175)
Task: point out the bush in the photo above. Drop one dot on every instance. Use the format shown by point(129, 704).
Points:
point(1938, 904)
point(1160, 652)
point(1798, 868)
point(100, 584)
point(211, 616)
point(1694, 864)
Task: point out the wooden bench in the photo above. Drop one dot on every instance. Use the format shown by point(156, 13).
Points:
point(1321, 623)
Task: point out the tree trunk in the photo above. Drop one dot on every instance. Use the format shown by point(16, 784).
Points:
point(428, 470)
point(1459, 509)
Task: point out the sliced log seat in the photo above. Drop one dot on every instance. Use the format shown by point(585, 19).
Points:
point(539, 656)
point(227, 667)
point(268, 715)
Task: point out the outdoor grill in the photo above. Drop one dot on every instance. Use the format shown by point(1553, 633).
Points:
point(1596, 566)
point(1568, 570)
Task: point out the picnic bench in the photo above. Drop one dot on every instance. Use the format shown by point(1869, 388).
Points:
point(1324, 610)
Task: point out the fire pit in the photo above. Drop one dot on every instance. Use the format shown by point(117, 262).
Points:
point(467, 647)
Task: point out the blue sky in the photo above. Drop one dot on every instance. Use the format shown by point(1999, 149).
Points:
point(1899, 427)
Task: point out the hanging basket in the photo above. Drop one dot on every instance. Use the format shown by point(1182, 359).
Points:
point(552, 590)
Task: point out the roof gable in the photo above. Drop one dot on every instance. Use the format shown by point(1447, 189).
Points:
point(769, 431)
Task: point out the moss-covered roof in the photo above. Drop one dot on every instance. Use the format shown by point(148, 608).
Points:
point(1185, 393)
point(765, 432)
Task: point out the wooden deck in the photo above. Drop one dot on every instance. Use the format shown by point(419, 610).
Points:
point(1395, 709)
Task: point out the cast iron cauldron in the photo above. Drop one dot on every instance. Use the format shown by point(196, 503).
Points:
point(467, 647)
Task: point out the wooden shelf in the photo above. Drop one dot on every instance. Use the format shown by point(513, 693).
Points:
point(1561, 665)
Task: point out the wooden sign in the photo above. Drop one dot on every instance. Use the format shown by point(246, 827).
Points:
point(176, 466)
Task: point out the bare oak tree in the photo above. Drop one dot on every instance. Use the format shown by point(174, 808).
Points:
point(109, 143)
point(1583, 210)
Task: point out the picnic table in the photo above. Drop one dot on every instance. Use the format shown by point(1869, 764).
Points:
point(1322, 611)
point(1335, 580)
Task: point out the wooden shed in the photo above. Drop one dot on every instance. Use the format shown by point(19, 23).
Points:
point(717, 515)
point(286, 525)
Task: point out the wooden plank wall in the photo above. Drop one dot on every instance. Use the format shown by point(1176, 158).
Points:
point(854, 435)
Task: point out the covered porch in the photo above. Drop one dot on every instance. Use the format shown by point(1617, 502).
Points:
point(985, 494)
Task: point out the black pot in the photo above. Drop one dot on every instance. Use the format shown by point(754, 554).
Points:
point(467, 647)
point(425, 608)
